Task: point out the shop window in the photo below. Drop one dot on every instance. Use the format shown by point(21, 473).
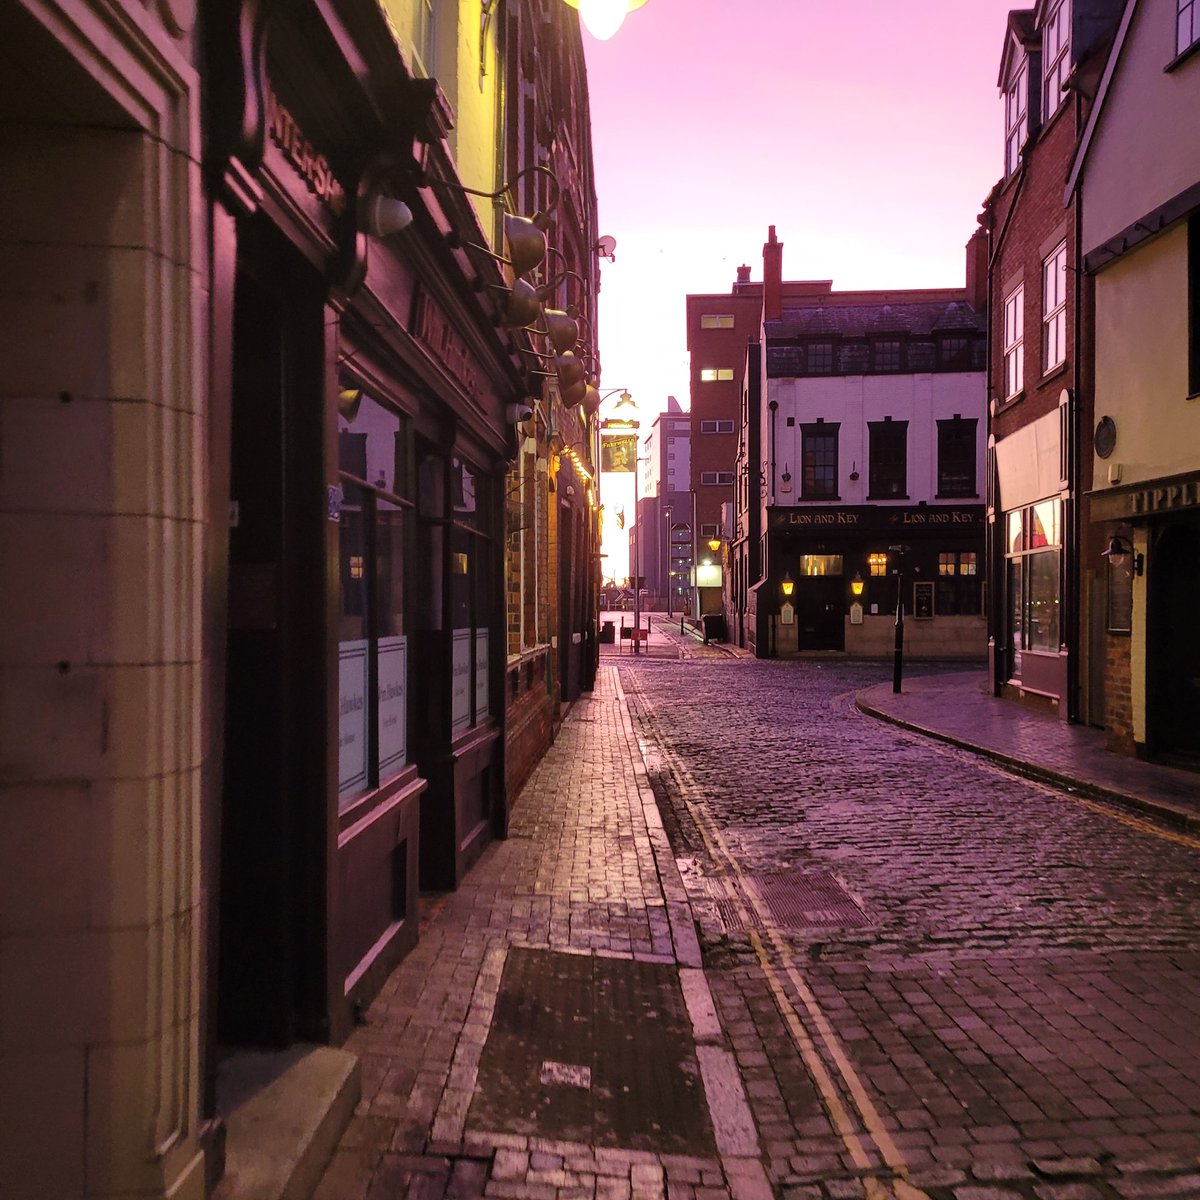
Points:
point(820, 564)
point(468, 570)
point(1033, 549)
point(888, 459)
point(1054, 309)
point(373, 525)
point(1014, 342)
point(957, 587)
point(819, 455)
point(956, 457)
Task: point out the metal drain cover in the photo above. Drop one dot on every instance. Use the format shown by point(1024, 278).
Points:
point(800, 899)
point(593, 1050)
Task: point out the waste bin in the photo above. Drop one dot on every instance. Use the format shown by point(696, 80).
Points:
point(608, 631)
point(714, 627)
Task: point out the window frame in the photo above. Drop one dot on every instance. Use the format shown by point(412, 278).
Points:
point(1054, 308)
point(947, 427)
point(716, 320)
point(887, 460)
point(809, 350)
point(825, 431)
point(1056, 66)
point(1016, 118)
point(720, 478)
point(719, 425)
point(716, 374)
point(1014, 342)
point(1188, 10)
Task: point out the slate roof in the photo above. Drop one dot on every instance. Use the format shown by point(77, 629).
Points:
point(874, 319)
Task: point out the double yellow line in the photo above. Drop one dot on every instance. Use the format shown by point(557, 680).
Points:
point(777, 964)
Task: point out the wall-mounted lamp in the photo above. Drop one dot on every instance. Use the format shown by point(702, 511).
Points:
point(1118, 549)
point(603, 18)
point(856, 584)
point(714, 544)
point(787, 586)
point(854, 472)
point(381, 216)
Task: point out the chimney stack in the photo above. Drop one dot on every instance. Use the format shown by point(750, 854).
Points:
point(743, 274)
point(772, 277)
point(977, 270)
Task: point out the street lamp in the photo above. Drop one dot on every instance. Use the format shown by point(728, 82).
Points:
point(631, 426)
point(604, 17)
point(787, 586)
point(668, 510)
point(856, 584)
point(898, 661)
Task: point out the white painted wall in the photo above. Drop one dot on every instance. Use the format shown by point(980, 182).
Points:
point(1146, 148)
point(853, 401)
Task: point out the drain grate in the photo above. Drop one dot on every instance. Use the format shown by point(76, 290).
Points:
point(800, 899)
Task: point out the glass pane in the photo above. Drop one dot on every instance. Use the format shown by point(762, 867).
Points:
point(820, 564)
point(352, 563)
point(1015, 540)
point(369, 441)
point(1044, 524)
point(1015, 615)
point(389, 568)
point(353, 708)
point(1042, 631)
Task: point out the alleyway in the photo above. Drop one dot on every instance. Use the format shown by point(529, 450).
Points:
point(846, 961)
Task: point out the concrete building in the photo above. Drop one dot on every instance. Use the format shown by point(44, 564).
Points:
point(1042, 563)
point(664, 520)
point(1136, 178)
point(871, 418)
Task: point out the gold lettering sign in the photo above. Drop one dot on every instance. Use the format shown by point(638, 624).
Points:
point(433, 329)
point(312, 167)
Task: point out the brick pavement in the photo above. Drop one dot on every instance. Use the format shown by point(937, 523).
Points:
point(998, 1055)
point(586, 870)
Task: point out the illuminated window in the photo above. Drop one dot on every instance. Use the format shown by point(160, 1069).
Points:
point(957, 592)
point(877, 563)
point(1014, 343)
point(1054, 309)
point(711, 374)
point(1187, 25)
point(1056, 57)
point(716, 321)
point(820, 564)
point(1016, 119)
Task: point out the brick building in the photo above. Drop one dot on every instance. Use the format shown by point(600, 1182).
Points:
point(1042, 562)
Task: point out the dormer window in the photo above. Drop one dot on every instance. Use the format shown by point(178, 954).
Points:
point(1187, 25)
point(1056, 57)
point(1016, 117)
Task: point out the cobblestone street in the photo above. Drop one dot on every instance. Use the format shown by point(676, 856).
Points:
point(745, 942)
point(927, 966)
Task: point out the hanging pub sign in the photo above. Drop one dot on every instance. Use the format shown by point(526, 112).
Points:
point(618, 453)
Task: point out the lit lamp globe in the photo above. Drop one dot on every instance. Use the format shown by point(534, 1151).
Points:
point(602, 18)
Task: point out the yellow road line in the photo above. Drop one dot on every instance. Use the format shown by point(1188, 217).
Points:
point(807, 1048)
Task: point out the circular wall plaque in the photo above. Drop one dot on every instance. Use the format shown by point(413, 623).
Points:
point(1105, 439)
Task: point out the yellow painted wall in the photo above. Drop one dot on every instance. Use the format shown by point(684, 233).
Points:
point(1141, 362)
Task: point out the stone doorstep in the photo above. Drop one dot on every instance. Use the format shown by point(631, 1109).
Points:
point(285, 1112)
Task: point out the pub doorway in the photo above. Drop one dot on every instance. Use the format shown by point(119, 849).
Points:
point(1173, 661)
point(271, 937)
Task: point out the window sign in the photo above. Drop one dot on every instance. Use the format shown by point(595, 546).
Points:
point(352, 723)
point(392, 673)
point(923, 600)
point(481, 674)
point(460, 691)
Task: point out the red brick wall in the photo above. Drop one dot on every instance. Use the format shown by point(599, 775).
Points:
point(1118, 694)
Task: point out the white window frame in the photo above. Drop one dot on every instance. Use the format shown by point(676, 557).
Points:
point(715, 374)
point(1056, 58)
point(1016, 118)
point(1014, 342)
point(1054, 309)
point(716, 320)
point(1187, 25)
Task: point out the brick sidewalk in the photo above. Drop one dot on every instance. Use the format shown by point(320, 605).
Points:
point(586, 871)
point(957, 707)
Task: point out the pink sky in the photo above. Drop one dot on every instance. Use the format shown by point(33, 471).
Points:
point(868, 133)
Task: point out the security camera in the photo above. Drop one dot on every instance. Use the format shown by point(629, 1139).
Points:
point(519, 411)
